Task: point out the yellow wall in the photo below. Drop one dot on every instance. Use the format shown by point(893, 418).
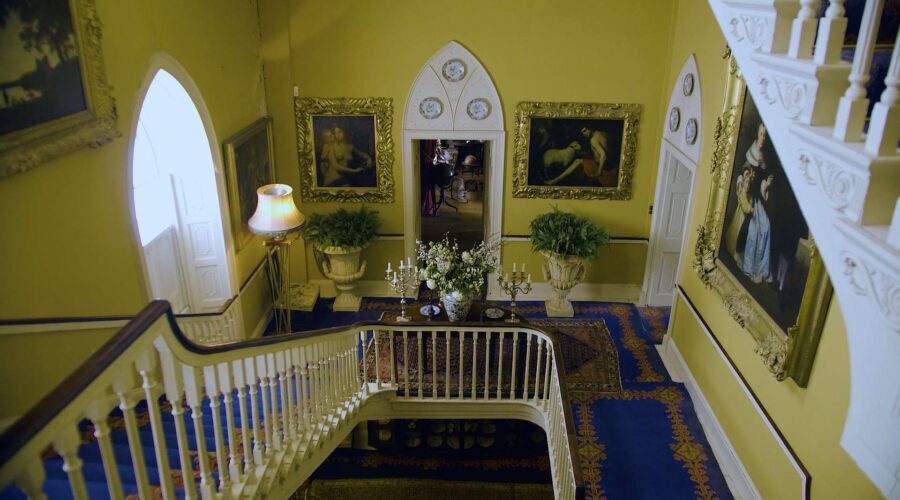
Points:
point(67, 246)
point(533, 50)
point(32, 364)
point(811, 419)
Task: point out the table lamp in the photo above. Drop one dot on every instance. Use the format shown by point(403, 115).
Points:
point(276, 215)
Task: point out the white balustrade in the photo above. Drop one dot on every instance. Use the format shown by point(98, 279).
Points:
point(306, 393)
point(851, 114)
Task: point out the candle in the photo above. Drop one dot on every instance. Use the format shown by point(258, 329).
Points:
point(514, 268)
point(389, 268)
point(523, 267)
point(408, 262)
point(401, 265)
point(529, 278)
point(395, 276)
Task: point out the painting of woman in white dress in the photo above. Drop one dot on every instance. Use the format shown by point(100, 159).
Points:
point(765, 242)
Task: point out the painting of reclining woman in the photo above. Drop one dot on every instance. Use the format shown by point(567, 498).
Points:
point(766, 242)
point(345, 151)
point(574, 150)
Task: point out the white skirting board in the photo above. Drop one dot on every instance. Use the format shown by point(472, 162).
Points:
point(739, 481)
point(607, 292)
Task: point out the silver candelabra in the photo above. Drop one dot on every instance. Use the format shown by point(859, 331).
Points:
point(513, 284)
point(401, 280)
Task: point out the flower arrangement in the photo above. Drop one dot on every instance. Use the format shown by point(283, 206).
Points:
point(447, 270)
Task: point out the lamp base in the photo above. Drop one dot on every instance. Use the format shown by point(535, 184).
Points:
point(559, 309)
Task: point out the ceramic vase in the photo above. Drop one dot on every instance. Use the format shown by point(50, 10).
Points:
point(342, 266)
point(457, 306)
point(563, 272)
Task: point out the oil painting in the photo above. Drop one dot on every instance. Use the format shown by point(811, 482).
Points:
point(249, 164)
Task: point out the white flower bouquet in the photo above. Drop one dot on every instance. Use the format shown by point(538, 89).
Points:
point(451, 272)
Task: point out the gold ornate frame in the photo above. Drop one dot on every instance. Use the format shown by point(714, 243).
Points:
point(525, 111)
point(96, 125)
point(382, 109)
point(785, 353)
point(242, 234)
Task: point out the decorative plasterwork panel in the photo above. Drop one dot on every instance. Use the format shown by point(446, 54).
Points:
point(843, 189)
point(879, 285)
point(454, 92)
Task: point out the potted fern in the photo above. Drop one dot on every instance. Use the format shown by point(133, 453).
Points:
point(568, 241)
point(338, 239)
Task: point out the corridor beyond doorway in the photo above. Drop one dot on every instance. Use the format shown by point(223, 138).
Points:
point(452, 190)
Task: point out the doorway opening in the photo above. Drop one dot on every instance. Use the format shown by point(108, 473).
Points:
point(176, 197)
point(453, 187)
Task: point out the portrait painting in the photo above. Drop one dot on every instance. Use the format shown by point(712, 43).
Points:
point(249, 165)
point(53, 95)
point(756, 248)
point(571, 150)
point(345, 149)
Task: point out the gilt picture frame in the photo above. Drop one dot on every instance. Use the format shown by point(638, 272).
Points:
point(54, 96)
point(575, 150)
point(754, 247)
point(345, 149)
point(249, 164)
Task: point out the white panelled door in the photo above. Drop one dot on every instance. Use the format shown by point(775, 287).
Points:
point(203, 248)
point(670, 217)
point(163, 258)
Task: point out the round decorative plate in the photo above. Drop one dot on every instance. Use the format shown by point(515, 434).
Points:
point(687, 85)
point(690, 131)
point(431, 108)
point(478, 109)
point(424, 310)
point(674, 118)
point(494, 313)
point(454, 70)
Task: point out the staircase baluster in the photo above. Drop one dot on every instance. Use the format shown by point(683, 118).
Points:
point(194, 396)
point(487, 364)
point(803, 32)
point(122, 386)
point(31, 480)
point(462, 343)
point(547, 367)
point(263, 382)
point(515, 358)
point(851, 113)
point(334, 374)
point(830, 38)
point(287, 404)
point(365, 371)
point(253, 383)
point(289, 384)
point(300, 375)
point(393, 359)
point(538, 343)
point(322, 382)
point(66, 444)
point(226, 384)
point(306, 391)
point(314, 388)
point(502, 336)
point(212, 392)
point(99, 415)
point(527, 365)
point(237, 368)
point(475, 364)
point(355, 364)
point(375, 333)
point(884, 127)
point(147, 365)
point(174, 387)
point(405, 364)
point(447, 365)
point(277, 406)
point(421, 367)
point(434, 361)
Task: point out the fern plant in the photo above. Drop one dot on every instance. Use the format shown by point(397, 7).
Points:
point(565, 233)
point(343, 228)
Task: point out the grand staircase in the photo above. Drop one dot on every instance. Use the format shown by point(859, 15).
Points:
point(152, 414)
point(847, 182)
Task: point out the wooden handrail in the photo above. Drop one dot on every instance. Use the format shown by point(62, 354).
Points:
point(25, 428)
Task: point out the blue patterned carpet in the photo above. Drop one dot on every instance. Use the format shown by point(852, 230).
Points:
point(640, 441)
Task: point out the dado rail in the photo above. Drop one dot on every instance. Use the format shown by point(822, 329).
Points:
point(254, 419)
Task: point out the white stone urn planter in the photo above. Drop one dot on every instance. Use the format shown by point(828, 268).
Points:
point(563, 272)
point(342, 266)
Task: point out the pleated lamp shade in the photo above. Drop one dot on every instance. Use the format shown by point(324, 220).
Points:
point(276, 214)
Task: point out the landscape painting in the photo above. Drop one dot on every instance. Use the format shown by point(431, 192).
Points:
point(40, 73)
